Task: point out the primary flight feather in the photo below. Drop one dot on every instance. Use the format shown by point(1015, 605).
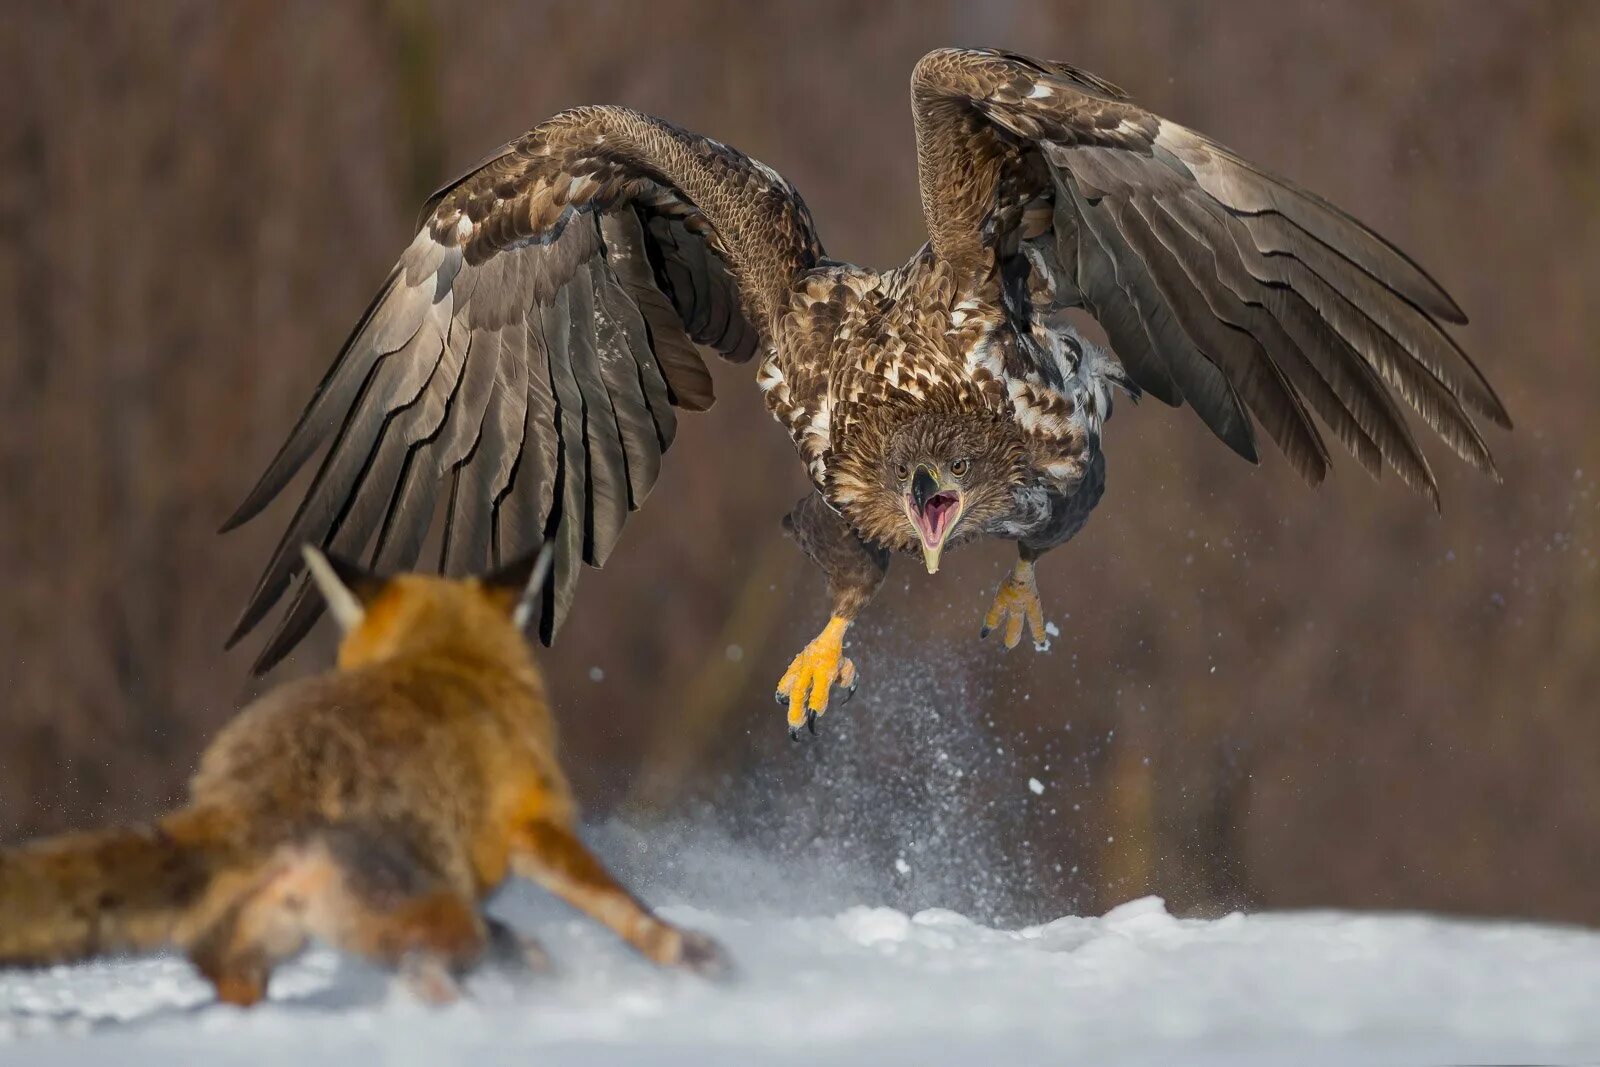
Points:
point(525, 357)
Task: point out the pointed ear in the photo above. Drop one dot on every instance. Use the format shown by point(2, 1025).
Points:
point(524, 580)
point(345, 586)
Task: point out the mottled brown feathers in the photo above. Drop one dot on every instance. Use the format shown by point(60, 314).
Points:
point(862, 479)
point(1217, 283)
point(525, 357)
point(855, 568)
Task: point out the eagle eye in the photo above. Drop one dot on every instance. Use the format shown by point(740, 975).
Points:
point(959, 468)
point(902, 472)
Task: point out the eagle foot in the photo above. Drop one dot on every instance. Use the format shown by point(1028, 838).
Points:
point(806, 686)
point(1016, 602)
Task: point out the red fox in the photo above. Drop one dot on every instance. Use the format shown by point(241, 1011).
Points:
point(372, 807)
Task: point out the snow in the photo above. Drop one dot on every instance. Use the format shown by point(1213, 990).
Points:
point(879, 909)
point(1035, 787)
point(863, 982)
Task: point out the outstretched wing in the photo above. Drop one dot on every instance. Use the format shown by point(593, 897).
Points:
point(523, 359)
point(1217, 283)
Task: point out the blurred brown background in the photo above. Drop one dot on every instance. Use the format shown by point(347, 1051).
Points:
point(1261, 695)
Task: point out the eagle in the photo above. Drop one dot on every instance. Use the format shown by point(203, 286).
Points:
point(522, 366)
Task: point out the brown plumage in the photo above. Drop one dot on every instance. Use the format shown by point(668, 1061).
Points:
point(526, 355)
point(374, 807)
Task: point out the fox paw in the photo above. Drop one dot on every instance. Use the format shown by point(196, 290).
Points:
point(806, 686)
point(700, 954)
point(429, 978)
point(1016, 602)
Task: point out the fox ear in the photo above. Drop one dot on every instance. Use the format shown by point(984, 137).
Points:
point(523, 579)
point(346, 586)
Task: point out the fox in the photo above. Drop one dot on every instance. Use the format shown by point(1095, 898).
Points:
point(373, 808)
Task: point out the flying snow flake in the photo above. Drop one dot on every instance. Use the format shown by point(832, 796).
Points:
point(1035, 787)
point(1052, 629)
point(901, 865)
point(596, 674)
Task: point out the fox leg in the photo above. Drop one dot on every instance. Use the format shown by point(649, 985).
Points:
point(250, 934)
point(429, 939)
point(512, 948)
point(855, 570)
point(393, 903)
point(551, 856)
point(237, 967)
point(358, 891)
point(237, 972)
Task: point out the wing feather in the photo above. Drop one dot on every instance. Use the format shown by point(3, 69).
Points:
point(479, 394)
point(1197, 258)
point(524, 357)
point(572, 482)
point(1217, 282)
point(1259, 382)
point(1138, 319)
point(1379, 429)
point(619, 333)
point(682, 377)
point(606, 489)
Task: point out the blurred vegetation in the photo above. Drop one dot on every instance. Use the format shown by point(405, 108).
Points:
point(1273, 697)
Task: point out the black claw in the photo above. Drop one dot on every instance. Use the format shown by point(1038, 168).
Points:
point(811, 721)
point(780, 698)
point(984, 631)
point(848, 693)
point(794, 733)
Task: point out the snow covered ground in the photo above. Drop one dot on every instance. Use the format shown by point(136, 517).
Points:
point(868, 984)
point(826, 871)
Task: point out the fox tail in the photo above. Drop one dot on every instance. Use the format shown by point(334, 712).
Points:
point(105, 892)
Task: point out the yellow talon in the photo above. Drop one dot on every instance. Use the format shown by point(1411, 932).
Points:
point(1017, 601)
point(811, 676)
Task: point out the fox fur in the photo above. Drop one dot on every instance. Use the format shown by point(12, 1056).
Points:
point(373, 807)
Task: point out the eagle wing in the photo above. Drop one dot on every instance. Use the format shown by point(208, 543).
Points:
point(1217, 283)
point(523, 359)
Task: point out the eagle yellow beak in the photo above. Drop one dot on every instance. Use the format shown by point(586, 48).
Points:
point(934, 507)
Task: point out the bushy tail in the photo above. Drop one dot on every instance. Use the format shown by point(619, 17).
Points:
point(106, 891)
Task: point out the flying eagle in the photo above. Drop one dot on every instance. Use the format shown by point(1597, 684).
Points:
point(525, 357)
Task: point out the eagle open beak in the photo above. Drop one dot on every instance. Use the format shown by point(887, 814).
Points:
point(934, 510)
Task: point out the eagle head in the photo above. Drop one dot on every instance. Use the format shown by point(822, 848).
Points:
point(928, 479)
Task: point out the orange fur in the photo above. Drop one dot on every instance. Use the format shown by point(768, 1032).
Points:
point(372, 807)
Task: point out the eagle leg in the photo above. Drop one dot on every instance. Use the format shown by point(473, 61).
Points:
point(1015, 602)
point(855, 570)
